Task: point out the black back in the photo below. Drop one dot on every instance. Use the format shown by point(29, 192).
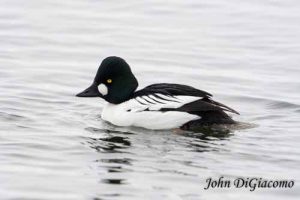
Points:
point(172, 89)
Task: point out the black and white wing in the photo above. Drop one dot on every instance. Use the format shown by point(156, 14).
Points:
point(161, 102)
point(176, 97)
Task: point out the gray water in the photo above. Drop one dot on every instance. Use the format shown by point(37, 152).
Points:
point(55, 146)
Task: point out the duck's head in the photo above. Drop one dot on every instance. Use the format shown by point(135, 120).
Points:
point(114, 81)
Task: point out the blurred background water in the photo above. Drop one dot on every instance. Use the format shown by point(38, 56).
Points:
point(55, 146)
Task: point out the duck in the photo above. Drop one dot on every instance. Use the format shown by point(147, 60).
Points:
point(158, 106)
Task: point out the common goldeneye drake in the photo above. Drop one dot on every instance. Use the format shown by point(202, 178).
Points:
point(157, 106)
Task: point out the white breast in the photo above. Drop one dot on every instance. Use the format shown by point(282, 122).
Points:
point(143, 112)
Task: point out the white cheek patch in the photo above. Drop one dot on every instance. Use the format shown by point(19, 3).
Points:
point(102, 89)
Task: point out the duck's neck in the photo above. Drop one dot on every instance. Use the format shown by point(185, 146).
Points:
point(121, 94)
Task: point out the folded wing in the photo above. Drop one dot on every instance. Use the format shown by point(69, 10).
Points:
point(176, 97)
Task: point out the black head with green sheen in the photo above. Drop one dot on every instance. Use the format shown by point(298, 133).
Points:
point(114, 81)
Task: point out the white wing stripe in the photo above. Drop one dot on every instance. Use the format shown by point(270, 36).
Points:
point(153, 103)
point(168, 98)
point(158, 100)
point(141, 101)
point(148, 99)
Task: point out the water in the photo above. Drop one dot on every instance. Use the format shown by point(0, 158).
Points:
point(55, 146)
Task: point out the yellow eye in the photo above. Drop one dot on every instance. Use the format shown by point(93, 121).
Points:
point(109, 81)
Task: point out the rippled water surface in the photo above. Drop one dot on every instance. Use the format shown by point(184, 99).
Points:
point(55, 146)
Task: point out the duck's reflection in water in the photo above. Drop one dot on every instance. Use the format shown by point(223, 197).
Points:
point(114, 159)
point(206, 139)
point(208, 133)
point(120, 151)
point(113, 142)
